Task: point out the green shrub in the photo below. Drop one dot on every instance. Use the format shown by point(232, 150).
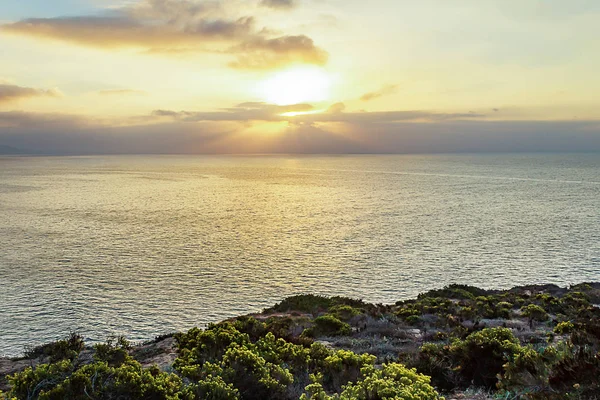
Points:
point(534, 312)
point(482, 354)
point(311, 303)
point(62, 380)
point(504, 313)
point(435, 361)
point(579, 370)
point(318, 353)
point(344, 312)
point(391, 382)
point(527, 368)
point(198, 346)
point(562, 372)
point(65, 349)
point(251, 326)
point(564, 327)
point(32, 382)
point(455, 291)
point(328, 325)
point(504, 304)
point(477, 360)
point(467, 312)
point(214, 388)
point(281, 327)
point(409, 310)
point(261, 370)
point(344, 366)
point(114, 352)
point(252, 375)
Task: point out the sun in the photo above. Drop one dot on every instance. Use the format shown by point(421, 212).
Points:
point(297, 85)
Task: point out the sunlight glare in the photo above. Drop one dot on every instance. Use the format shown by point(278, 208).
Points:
point(296, 86)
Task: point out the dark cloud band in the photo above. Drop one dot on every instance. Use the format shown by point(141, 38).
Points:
point(10, 93)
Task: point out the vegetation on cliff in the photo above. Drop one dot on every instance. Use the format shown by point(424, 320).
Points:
point(536, 342)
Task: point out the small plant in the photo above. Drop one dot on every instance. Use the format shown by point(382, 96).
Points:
point(455, 291)
point(534, 312)
point(477, 360)
point(214, 388)
point(344, 312)
point(114, 352)
point(328, 325)
point(94, 381)
point(392, 381)
point(311, 303)
point(65, 349)
point(564, 328)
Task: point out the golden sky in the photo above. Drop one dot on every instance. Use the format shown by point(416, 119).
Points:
point(299, 75)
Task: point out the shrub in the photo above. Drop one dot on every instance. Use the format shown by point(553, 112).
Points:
point(561, 372)
point(328, 325)
point(455, 291)
point(504, 304)
point(65, 349)
point(114, 352)
point(280, 352)
point(391, 382)
point(408, 310)
point(62, 380)
point(33, 381)
point(477, 360)
point(252, 375)
point(281, 327)
point(261, 370)
point(527, 368)
point(504, 313)
point(198, 346)
point(214, 388)
point(582, 367)
point(534, 312)
point(564, 327)
point(413, 320)
point(311, 303)
point(482, 354)
point(251, 326)
point(344, 312)
point(435, 361)
point(344, 366)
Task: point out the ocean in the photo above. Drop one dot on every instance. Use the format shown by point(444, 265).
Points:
point(146, 245)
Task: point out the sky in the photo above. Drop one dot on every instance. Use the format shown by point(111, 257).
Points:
point(299, 76)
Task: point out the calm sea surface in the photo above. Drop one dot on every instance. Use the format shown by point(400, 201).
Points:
point(143, 245)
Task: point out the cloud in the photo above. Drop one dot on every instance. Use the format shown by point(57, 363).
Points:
point(27, 120)
point(387, 116)
point(384, 91)
point(335, 113)
point(336, 108)
point(279, 4)
point(122, 92)
point(252, 111)
point(262, 53)
point(177, 27)
point(122, 31)
point(10, 93)
point(67, 134)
